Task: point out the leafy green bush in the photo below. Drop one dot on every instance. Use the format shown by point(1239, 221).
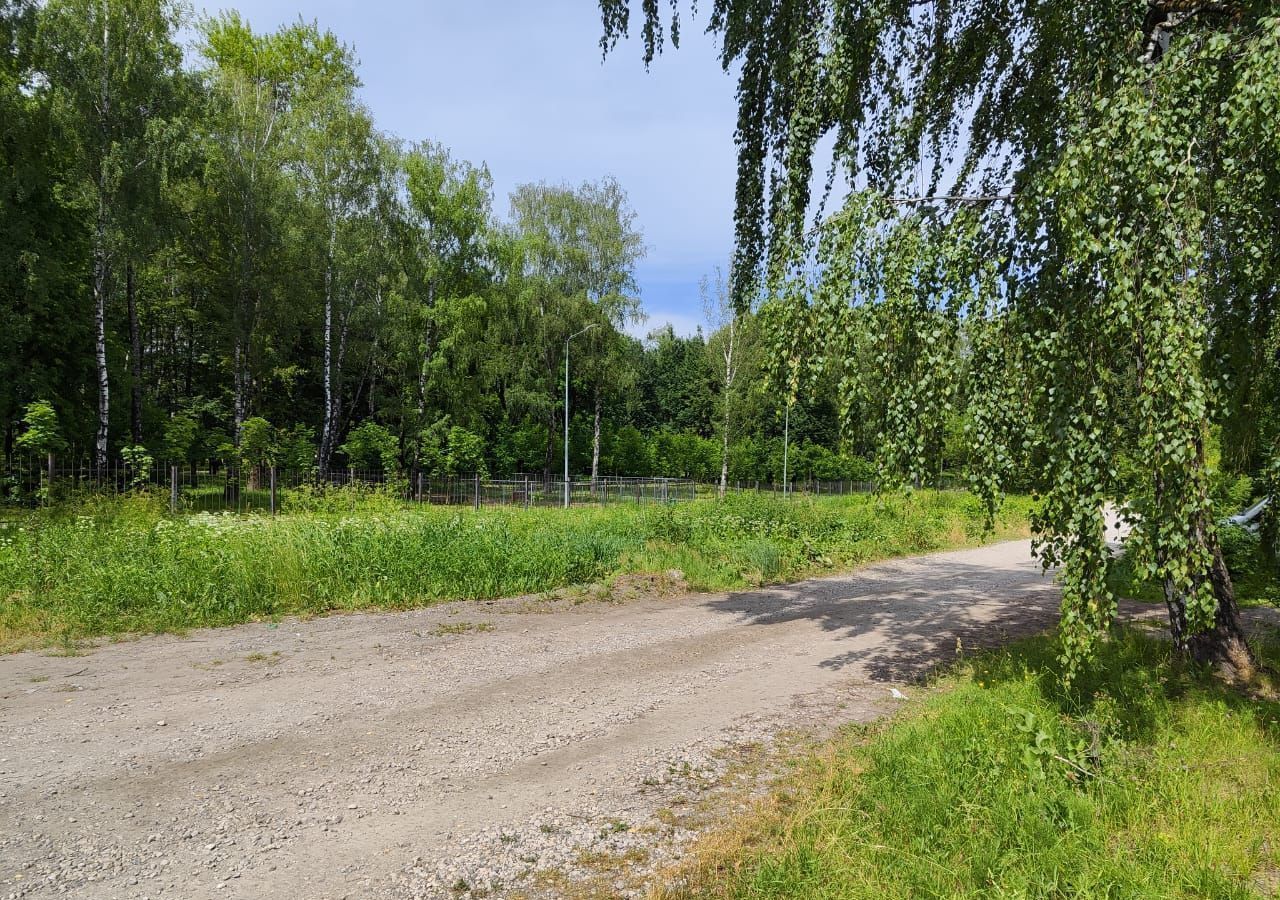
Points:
point(180, 433)
point(356, 498)
point(40, 433)
point(138, 463)
point(1231, 493)
point(257, 442)
point(1241, 548)
point(371, 446)
point(296, 447)
point(451, 450)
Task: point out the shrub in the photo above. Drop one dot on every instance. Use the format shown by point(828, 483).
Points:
point(450, 450)
point(138, 464)
point(40, 429)
point(371, 446)
point(180, 432)
point(1241, 548)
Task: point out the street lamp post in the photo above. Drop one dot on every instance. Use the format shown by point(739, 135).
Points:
point(566, 410)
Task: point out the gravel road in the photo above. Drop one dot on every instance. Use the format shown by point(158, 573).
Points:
point(511, 748)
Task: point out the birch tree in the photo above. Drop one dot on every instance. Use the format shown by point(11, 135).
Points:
point(249, 83)
point(579, 247)
point(1089, 188)
point(110, 65)
point(333, 151)
point(729, 343)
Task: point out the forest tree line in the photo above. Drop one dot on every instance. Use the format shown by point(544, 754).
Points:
point(218, 256)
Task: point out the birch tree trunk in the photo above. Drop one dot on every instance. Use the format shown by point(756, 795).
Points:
point(101, 264)
point(135, 357)
point(326, 436)
point(595, 441)
point(724, 454)
point(101, 277)
point(730, 375)
point(1224, 645)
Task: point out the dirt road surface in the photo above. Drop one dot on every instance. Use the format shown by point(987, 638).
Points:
point(498, 749)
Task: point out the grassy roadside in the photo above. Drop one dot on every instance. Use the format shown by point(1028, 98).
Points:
point(124, 567)
point(1142, 781)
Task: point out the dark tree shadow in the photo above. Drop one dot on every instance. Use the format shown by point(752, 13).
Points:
point(904, 619)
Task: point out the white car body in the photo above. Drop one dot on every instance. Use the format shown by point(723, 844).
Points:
point(1251, 518)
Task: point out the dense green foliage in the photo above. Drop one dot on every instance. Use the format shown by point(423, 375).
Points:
point(1142, 780)
point(1055, 222)
point(124, 566)
point(1253, 572)
point(218, 256)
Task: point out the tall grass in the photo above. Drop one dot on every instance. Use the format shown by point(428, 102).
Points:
point(125, 566)
point(1144, 780)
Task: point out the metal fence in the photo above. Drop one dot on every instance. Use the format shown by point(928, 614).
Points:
point(269, 489)
point(538, 490)
point(813, 487)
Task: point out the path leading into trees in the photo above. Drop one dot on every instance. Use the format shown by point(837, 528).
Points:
point(409, 755)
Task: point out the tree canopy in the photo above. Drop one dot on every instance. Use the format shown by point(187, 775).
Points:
point(214, 256)
point(1058, 218)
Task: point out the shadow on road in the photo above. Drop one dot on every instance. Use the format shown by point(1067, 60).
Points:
point(903, 619)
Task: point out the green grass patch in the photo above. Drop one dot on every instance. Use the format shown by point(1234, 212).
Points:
point(127, 567)
point(1144, 780)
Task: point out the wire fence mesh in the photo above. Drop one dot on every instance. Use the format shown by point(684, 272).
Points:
point(234, 488)
point(217, 487)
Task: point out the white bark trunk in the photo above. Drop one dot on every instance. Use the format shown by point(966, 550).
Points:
point(101, 264)
point(135, 358)
point(100, 282)
point(730, 374)
point(326, 435)
point(595, 442)
point(724, 456)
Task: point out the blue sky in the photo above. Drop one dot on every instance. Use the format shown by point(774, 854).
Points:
point(521, 86)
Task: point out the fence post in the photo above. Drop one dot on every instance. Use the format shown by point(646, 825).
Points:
point(173, 489)
point(477, 490)
point(273, 490)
